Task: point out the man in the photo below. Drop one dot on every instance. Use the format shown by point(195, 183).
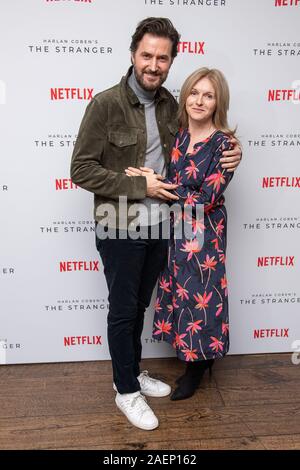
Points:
point(133, 125)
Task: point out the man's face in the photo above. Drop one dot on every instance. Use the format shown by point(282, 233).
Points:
point(152, 61)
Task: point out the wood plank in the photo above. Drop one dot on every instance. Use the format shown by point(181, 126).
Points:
point(281, 442)
point(239, 443)
point(245, 396)
point(251, 402)
point(106, 429)
point(158, 365)
point(61, 398)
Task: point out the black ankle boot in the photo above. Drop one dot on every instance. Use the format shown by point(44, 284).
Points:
point(190, 381)
point(210, 363)
point(179, 379)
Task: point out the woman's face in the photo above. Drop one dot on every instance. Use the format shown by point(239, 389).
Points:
point(201, 103)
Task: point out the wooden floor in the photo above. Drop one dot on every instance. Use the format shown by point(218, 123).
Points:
point(251, 402)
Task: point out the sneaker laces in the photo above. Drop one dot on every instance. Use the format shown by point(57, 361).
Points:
point(140, 402)
point(144, 378)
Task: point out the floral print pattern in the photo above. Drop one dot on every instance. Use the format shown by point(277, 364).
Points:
point(191, 309)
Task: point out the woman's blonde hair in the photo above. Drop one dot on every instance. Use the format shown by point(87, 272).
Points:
point(221, 88)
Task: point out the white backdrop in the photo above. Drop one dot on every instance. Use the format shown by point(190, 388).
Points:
point(47, 47)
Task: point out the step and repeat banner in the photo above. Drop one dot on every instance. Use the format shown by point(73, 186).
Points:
point(54, 56)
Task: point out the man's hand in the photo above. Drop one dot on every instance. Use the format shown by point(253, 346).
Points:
point(142, 171)
point(155, 186)
point(232, 158)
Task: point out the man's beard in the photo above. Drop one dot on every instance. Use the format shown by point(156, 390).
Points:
point(147, 86)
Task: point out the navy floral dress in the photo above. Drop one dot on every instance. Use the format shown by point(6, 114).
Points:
point(191, 310)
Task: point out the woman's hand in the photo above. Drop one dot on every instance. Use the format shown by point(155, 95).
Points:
point(155, 186)
point(232, 158)
point(142, 171)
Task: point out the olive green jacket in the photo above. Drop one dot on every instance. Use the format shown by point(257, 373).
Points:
point(113, 136)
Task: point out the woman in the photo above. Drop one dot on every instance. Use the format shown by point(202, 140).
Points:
point(191, 309)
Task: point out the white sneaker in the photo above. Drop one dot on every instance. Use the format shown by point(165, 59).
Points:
point(151, 387)
point(137, 411)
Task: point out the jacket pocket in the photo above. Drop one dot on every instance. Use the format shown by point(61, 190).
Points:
point(122, 139)
point(121, 150)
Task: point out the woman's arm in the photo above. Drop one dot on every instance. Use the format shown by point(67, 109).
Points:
point(212, 187)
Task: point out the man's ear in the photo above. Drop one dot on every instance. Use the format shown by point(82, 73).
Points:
point(132, 58)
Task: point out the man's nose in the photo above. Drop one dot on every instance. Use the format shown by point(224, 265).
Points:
point(153, 65)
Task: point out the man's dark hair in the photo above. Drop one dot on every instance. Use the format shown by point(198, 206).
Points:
point(161, 27)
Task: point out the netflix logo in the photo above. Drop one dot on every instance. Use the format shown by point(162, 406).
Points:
point(67, 266)
point(191, 47)
point(71, 93)
point(281, 182)
point(284, 95)
point(82, 340)
point(271, 333)
point(287, 3)
point(64, 184)
point(264, 261)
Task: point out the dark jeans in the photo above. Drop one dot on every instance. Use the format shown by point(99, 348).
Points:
point(131, 268)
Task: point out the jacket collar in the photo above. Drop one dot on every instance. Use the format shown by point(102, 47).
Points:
point(161, 93)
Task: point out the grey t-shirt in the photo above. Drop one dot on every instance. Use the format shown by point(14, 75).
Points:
point(157, 208)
